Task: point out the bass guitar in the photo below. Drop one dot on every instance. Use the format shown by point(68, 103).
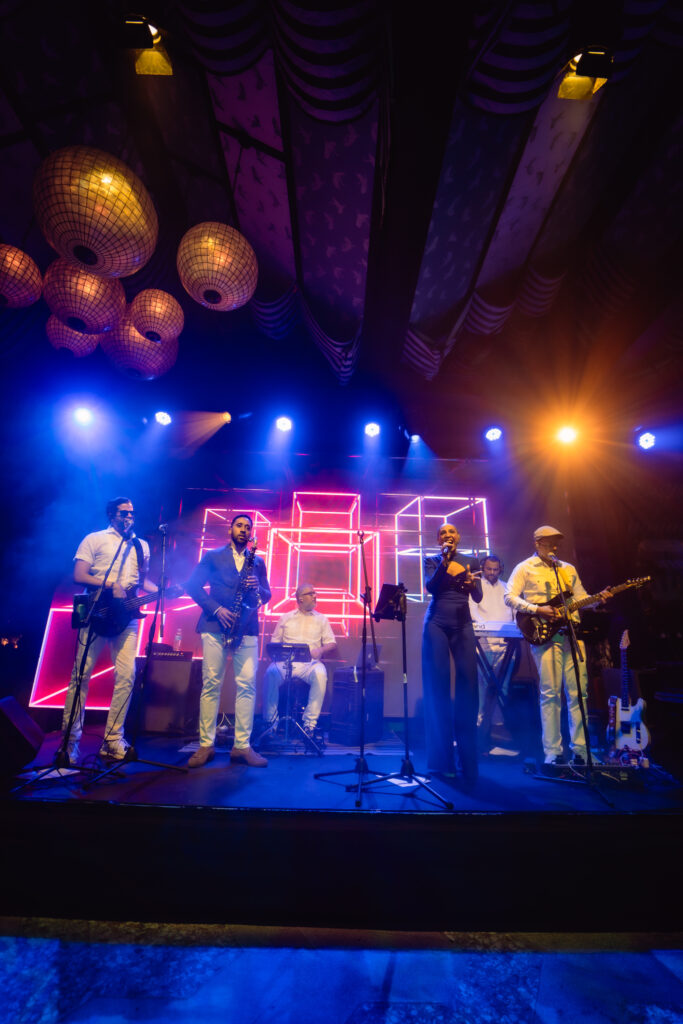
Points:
point(110, 615)
point(626, 731)
point(539, 630)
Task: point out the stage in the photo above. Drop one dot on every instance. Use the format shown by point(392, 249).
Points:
point(277, 846)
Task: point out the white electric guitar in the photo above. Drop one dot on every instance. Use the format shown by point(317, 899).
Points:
point(630, 733)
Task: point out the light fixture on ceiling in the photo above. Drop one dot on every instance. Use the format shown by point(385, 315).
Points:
point(585, 73)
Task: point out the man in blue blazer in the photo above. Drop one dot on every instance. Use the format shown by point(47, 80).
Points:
point(220, 570)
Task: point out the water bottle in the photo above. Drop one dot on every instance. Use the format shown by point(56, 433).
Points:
point(178, 640)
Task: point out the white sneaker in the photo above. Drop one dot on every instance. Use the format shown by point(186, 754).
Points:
point(114, 749)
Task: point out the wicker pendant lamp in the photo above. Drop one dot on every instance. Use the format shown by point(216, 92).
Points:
point(83, 301)
point(61, 336)
point(95, 211)
point(157, 315)
point(20, 279)
point(217, 266)
point(136, 355)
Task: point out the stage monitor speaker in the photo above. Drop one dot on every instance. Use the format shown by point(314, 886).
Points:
point(345, 709)
point(170, 700)
point(20, 736)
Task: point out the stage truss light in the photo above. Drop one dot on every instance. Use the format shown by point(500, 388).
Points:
point(414, 438)
point(284, 424)
point(493, 434)
point(646, 440)
point(163, 418)
point(372, 429)
point(83, 416)
point(226, 417)
point(567, 435)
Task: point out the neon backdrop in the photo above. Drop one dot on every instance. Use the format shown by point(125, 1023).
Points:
point(318, 543)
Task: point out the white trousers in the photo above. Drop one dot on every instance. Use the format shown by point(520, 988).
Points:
point(244, 661)
point(494, 652)
point(122, 649)
point(312, 672)
point(555, 667)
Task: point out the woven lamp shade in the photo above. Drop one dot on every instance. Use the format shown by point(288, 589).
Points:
point(95, 211)
point(157, 315)
point(136, 355)
point(20, 279)
point(83, 301)
point(217, 266)
point(61, 336)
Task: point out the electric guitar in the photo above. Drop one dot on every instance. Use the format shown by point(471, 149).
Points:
point(539, 630)
point(110, 615)
point(630, 734)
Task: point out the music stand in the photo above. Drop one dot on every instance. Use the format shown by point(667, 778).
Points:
point(288, 654)
point(392, 604)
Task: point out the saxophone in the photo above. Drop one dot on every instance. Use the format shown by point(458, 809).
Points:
point(246, 601)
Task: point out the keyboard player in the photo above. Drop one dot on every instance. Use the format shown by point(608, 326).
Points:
point(492, 611)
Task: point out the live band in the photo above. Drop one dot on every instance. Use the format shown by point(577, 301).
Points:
point(540, 602)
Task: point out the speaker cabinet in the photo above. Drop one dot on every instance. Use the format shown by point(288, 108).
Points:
point(169, 702)
point(345, 710)
point(20, 736)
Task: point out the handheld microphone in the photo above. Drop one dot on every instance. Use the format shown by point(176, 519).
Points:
point(445, 548)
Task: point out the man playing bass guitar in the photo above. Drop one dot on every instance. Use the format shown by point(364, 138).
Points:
point(531, 588)
point(92, 562)
point(232, 584)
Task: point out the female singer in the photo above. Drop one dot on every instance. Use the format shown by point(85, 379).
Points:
point(448, 628)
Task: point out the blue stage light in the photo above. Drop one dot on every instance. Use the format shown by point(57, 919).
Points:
point(372, 429)
point(493, 434)
point(283, 423)
point(646, 440)
point(83, 416)
point(163, 418)
point(414, 438)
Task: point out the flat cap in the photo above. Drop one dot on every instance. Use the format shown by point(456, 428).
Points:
point(546, 531)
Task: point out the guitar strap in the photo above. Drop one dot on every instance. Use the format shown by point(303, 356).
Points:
point(141, 561)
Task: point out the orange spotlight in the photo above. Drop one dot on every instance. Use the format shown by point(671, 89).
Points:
point(567, 435)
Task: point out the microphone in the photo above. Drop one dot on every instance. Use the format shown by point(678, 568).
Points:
point(553, 559)
point(445, 548)
point(162, 527)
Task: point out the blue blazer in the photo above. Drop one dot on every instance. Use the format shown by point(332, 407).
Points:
point(217, 569)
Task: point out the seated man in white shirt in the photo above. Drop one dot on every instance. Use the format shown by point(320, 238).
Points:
point(303, 626)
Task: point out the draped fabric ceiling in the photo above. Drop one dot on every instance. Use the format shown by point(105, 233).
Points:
point(411, 183)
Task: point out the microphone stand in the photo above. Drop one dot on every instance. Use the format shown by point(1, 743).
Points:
point(588, 778)
point(141, 682)
point(61, 758)
point(395, 606)
point(360, 768)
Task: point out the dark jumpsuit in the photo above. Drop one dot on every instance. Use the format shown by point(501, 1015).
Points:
point(448, 631)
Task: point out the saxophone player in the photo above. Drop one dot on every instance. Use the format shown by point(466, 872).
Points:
point(228, 586)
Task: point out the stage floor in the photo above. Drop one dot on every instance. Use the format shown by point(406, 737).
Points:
point(506, 784)
point(277, 846)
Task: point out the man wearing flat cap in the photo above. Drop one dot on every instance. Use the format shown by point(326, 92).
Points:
point(532, 585)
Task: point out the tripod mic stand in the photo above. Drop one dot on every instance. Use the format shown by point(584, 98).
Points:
point(62, 760)
point(587, 779)
point(141, 682)
point(361, 768)
point(393, 604)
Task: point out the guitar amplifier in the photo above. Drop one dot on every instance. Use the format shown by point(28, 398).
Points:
point(170, 699)
point(345, 709)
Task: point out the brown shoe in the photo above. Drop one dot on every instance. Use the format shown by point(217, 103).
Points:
point(245, 755)
point(201, 757)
